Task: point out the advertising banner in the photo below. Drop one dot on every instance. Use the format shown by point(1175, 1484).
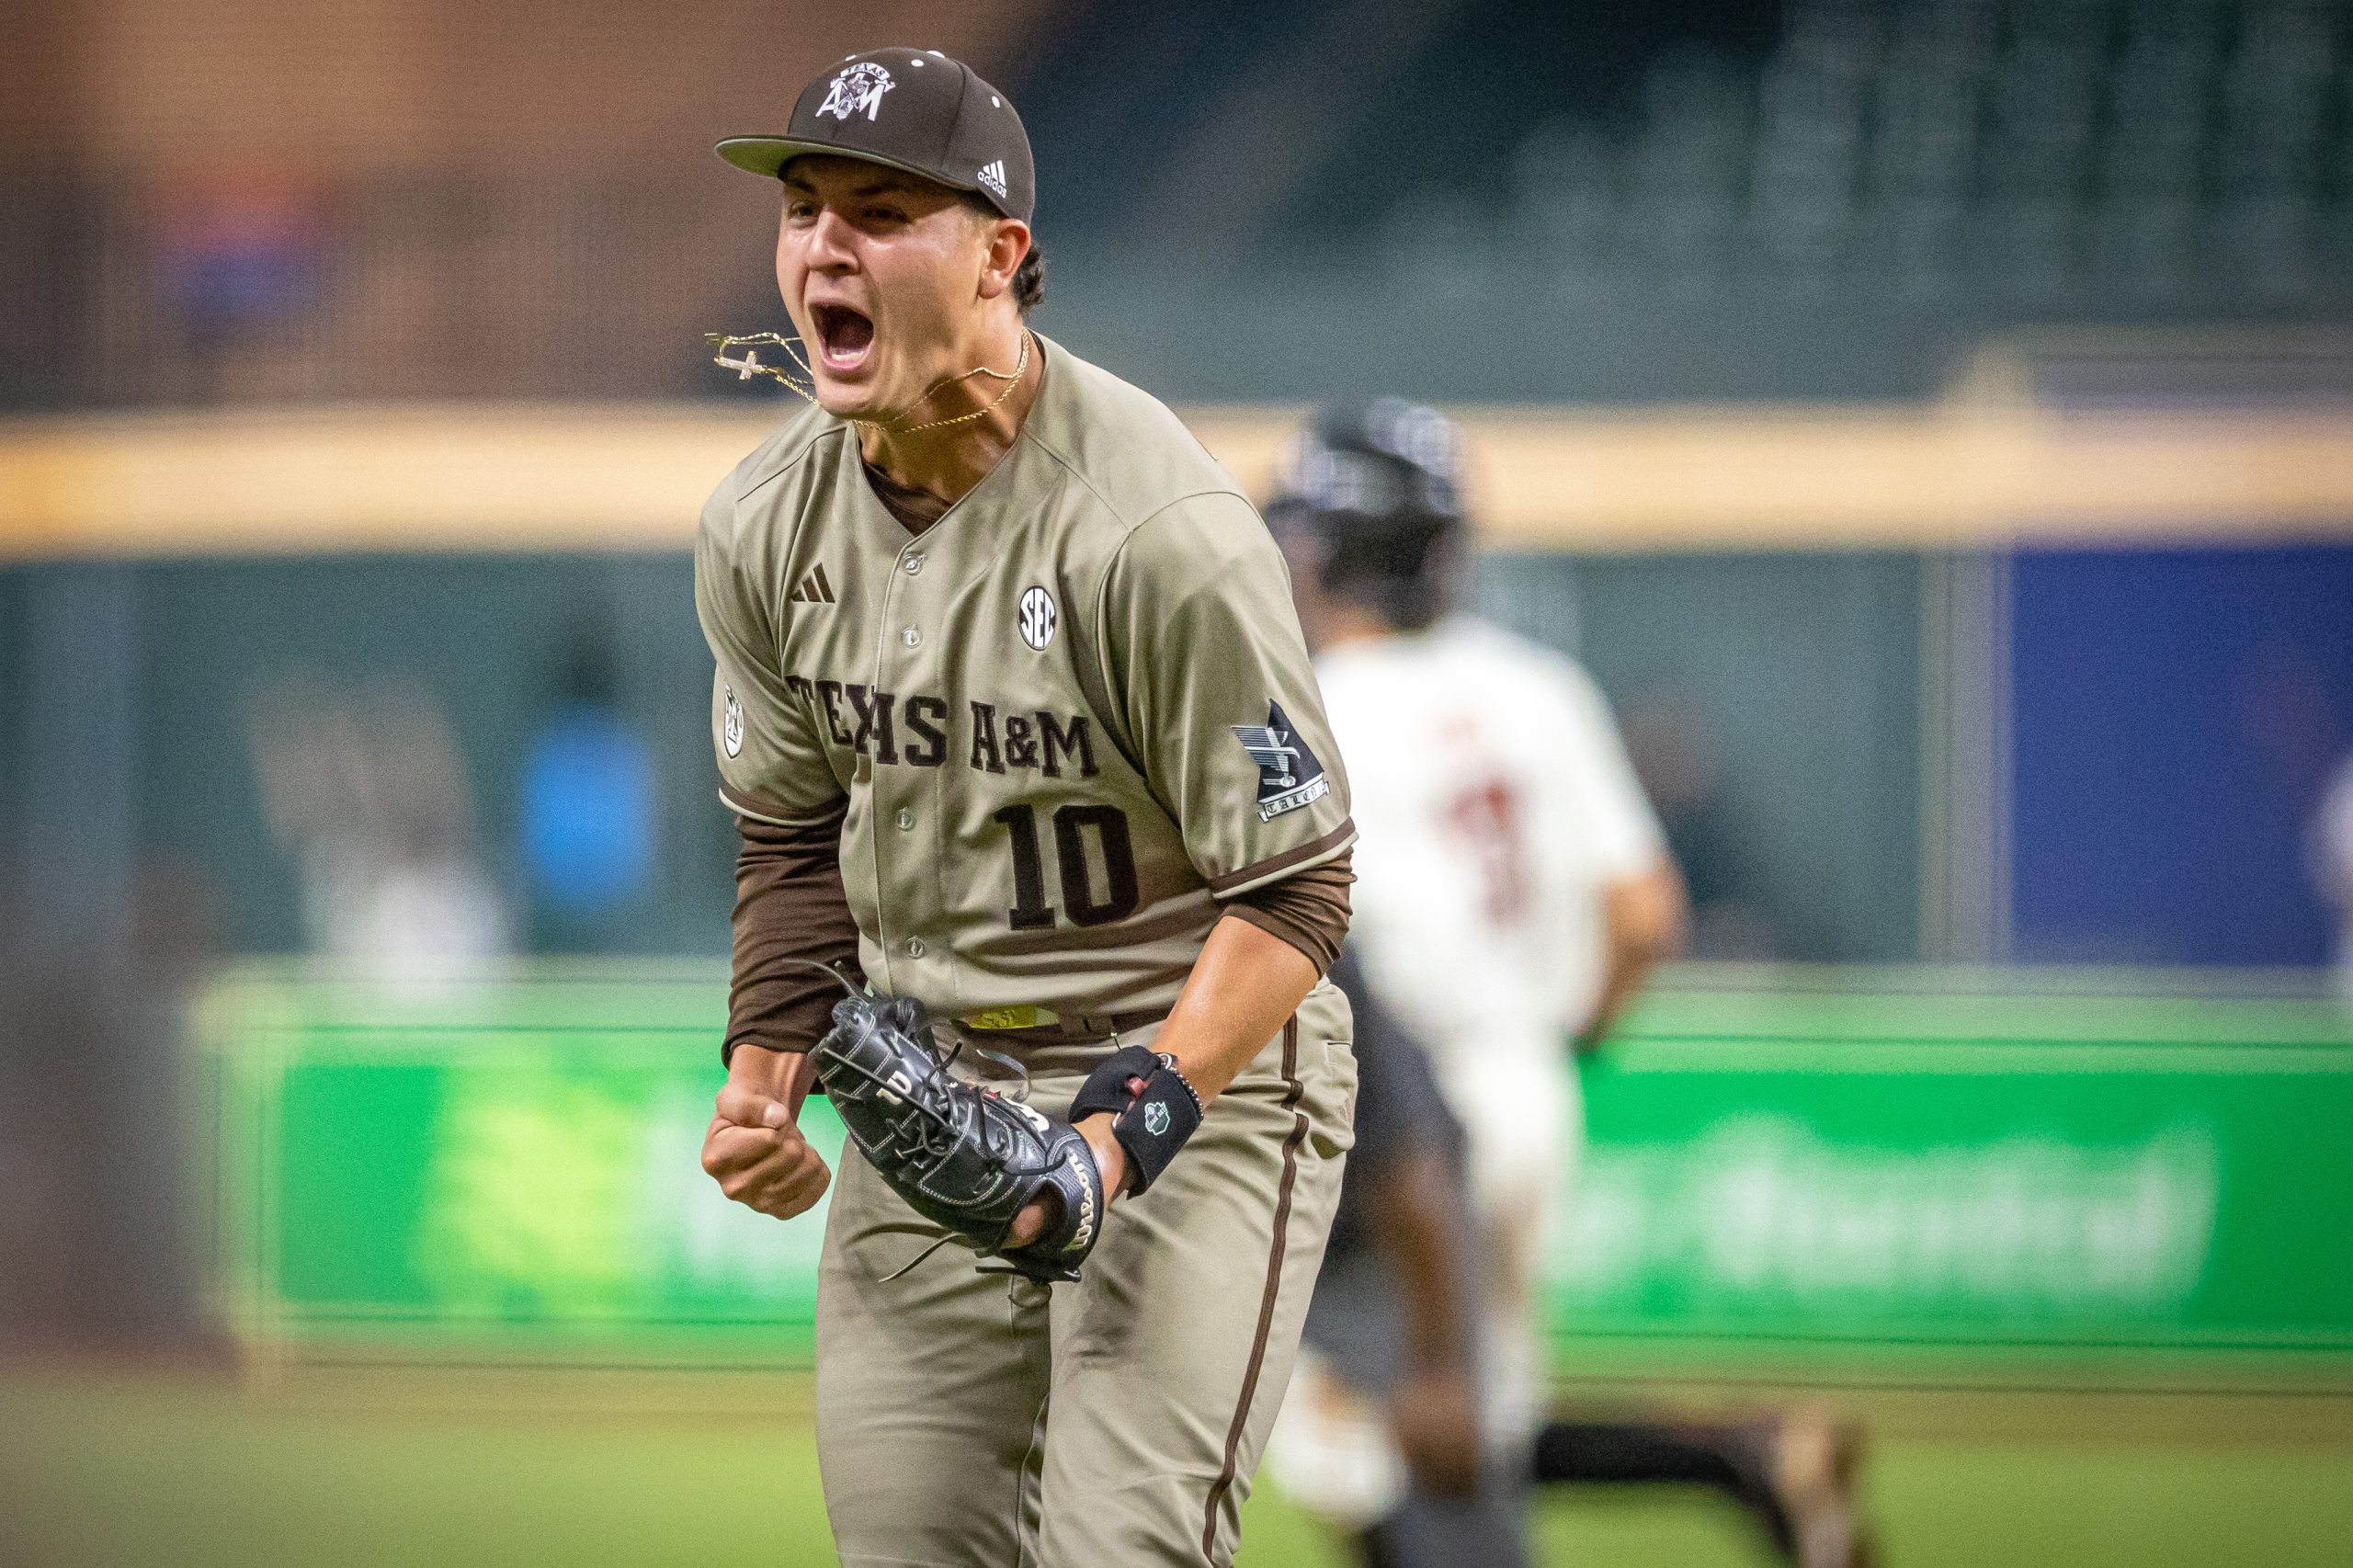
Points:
point(1830, 1165)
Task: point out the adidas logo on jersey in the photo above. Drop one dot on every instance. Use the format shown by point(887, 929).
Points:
point(813, 589)
point(992, 175)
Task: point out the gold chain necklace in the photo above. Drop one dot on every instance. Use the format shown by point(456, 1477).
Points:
point(750, 365)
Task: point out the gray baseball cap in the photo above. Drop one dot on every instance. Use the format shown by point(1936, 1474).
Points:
point(915, 110)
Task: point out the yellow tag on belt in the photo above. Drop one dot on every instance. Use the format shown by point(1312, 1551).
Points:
point(1011, 1018)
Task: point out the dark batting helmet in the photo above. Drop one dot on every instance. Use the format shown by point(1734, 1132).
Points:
point(1370, 496)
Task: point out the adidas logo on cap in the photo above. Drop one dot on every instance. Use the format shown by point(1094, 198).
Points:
point(992, 175)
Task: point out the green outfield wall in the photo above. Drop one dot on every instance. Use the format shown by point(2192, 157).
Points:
point(1888, 1174)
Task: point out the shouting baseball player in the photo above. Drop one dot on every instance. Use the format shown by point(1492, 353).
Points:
point(1014, 711)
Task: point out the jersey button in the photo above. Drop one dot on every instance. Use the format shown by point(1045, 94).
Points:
point(907, 819)
point(915, 947)
point(914, 564)
point(911, 637)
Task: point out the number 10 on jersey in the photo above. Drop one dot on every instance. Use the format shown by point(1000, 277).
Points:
point(1074, 865)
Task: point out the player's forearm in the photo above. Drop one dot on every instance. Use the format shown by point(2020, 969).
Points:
point(1246, 983)
point(1626, 969)
point(1644, 918)
point(784, 1076)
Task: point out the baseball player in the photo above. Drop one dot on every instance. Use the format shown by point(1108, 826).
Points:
point(1515, 889)
point(1381, 1434)
point(1014, 711)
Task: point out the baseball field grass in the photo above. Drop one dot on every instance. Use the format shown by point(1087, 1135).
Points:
point(127, 1468)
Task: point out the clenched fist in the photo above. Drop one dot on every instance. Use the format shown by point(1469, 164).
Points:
point(753, 1149)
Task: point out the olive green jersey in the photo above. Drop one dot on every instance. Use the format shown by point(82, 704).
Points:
point(1068, 719)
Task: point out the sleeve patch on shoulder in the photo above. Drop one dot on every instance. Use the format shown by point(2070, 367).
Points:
point(1288, 775)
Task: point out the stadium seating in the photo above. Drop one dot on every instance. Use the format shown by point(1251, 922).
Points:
point(2192, 152)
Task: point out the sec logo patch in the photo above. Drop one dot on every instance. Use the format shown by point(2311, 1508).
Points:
point(1038, 617)
point(731, 726)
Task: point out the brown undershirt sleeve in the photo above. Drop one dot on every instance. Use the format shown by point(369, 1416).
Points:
point(1308, 909)
point(788, 905)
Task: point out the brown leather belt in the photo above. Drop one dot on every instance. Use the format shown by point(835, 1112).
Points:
point(996, 1027)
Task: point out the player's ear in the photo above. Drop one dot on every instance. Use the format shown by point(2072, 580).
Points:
point(1007, 241)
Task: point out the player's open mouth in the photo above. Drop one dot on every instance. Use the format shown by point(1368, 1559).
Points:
point(844, 336)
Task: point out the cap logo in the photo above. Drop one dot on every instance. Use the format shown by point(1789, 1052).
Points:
point(855, 91)
point(992, 175)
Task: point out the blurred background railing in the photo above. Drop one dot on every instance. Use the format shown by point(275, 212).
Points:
point(2054, 671)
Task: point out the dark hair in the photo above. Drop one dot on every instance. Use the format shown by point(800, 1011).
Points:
point(1029, 279)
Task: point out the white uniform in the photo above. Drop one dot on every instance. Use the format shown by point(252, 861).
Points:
point(1505, 805)
point(1495, 805)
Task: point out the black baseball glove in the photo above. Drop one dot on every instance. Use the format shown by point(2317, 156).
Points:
point(962, 1156)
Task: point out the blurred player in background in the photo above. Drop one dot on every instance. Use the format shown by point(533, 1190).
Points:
point(1514, 890)
point(1381, 1434)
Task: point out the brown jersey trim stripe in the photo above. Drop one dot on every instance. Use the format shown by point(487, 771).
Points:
point(1293, 1091)
point(1289, 860)
point(752, 806)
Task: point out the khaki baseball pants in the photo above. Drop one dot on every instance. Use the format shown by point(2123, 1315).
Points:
point(969, 1420)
